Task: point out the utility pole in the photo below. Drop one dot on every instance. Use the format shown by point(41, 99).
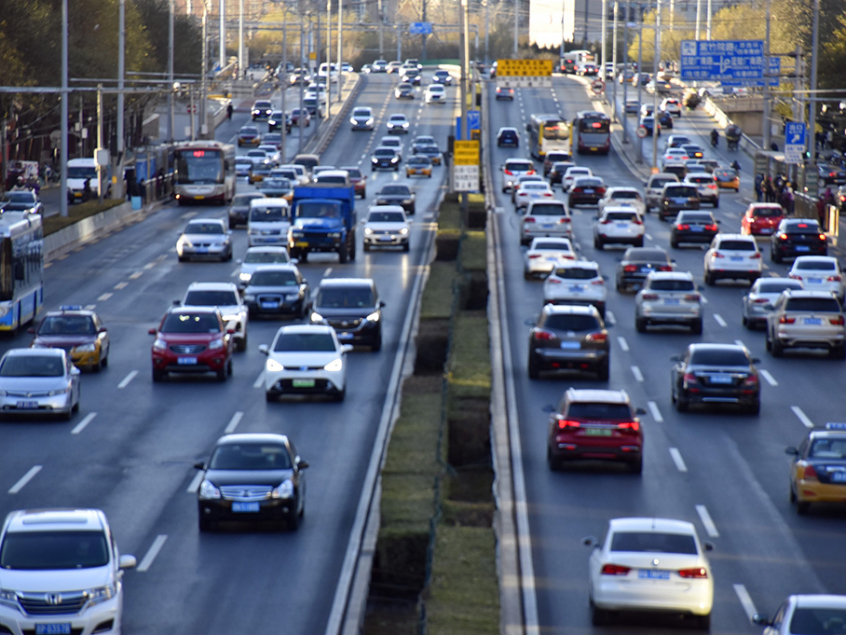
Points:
point(99, 141)
point(656, 54)
point(63, 147)
point(171, 5)
point(423, 35)
point(604, 37)
point(613, 56)
point(487, 31)
point(328, 58)
point(118, 192)
point(698, 12)
point(340, 44)
point(640, 89)
point(300, 119)
point(203, 71)
point(708, 23)
point(284, 83)
point(241, 66)
point(767, 126)
point(516, 25)
point(625, 69)
point(222, 60)
point(381, 31)
point(811, 134)
point(464, 129)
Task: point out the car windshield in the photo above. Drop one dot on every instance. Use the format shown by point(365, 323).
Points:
point(719, 357)
point(737, 245)
point(274, 279)
point(671, 285)
point(546, 209)
point(688, 192)
point(82, 172)
point(19, 197)
point(361, 112)
point(330, 178)
point(211, 298)
point(308, 209)
point(645, 255)
point(386, 217)
point(419, 161)
point(576, 273)
point(204, 228)
point(354, 173)
point(571, 323)
point(767, 212)
point(813, 305)
point(818, 621)
point(398, 118)
point(815, 265)
point(689, 217)
point(32, 366)
point(249, 131)
point(67, 325)
point(250, 456)
point(276, 184)
point(355, 297)
point(268, 214)
point(384, 152)
point(400, 190)
point(652, 541)
point(190, 323)
point(51, 550)
point(304, 342)
point(265, 257)
point(600, 411)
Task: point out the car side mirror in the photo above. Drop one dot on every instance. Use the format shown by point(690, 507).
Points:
point(263, 349)
point(151, 331)
point(756, 360)
point(177, 302)
point(548, 408)
point(103, 329)
point(675, 358)
point(590, 541)
point(381, 304)
point(640, 411)
point(719, 221)
point(295, 261)
point(347, 348)
point(761, 619)
point(301, 465)
point(709, 546)
point(200, 465)
point(75, 370)
point(127, 562)
point(792, 451)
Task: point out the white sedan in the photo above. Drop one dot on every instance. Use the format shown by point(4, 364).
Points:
point(435, 94)
point(544, 253)
point(532, 191)
point(386, 226)
point(819, 273)
point(305, 359)
point(38, 381)
point(622, 196)
point(650, 564)
point(398, 124)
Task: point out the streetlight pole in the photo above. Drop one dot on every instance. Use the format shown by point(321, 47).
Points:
point(63, 147)
point(516, 25)
point(205, 64)
point(170, 17)
point(328, 58)
point(341, 44)
point(284, 83)
point(222, 48)
point(811, 134)
point(300, 118)
point(613, 56)
point(767, 79)
point(604, 37)
point(656, 53)
point(240, 37)
point(625, 69)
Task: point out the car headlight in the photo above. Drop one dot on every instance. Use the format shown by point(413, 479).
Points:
point(403, 231)
point(249, 297)
point(335, 365)
point(407, 201)
point(233, 316)
point(245, 277)
point(335, 235)
point(369, 122)
point(316, 317)
point(394, 159)
point(85, 348)
point(353, 121)
point(9, 598)
point(102, 593)
point(284, 490)
point(273, 366)
point(367, 231)
point(296, 234)
point(216, 344)
point(59, 391)
point(373, 317)
point(208, 491)
point(183, 242)
point(159, 345)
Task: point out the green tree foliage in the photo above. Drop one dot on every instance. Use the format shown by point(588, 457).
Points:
point(832, 64)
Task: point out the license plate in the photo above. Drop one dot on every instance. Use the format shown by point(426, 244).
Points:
point(53, 629)
point(385, 239)
point(736, 258)
point(240, 508)
point(622, 225)
point(269, 305)
point(201, 250)
point(671, 301)
point(553, 259)
point(815, 280)
point(27, 405)
point(803, 248)
point(547, 225)
point(720, 379)
point(302, 383)
point(653, 574)
point(300, 243)
point(186, 361)
point(815, 321)
point(571, 345)
point(345, 336)
point(767, 230)
point(838, 477)
point(597, 432)
point(577, 288)
point(199, 198)
point(588, 191)
point(696, 228)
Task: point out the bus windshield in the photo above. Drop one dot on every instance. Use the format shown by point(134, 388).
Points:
point(199, 166)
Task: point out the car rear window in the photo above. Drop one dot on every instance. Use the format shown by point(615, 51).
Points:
point(687, 217)
point(547, 209)
point(689, 192)
point(671, 285)
point(767, 212)
point(815, 305)
point(576, 273)
point(645, 255)
point(339, 180)
point(211, 298)
point(659, 183)
point(719, 357)
point(737, 245)
point(519, 166)
point(621, 216)
point(777, 287)
point(818, 621)
point(600, 411)
point(653, 542)
point(802, 227)
point(815, 265)
point(571, 322)
point(553, 246)
point(626, 194)
point(310, 342)
point(589, 183)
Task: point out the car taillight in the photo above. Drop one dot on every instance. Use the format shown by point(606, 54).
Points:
point(606, 222)
point(832, 174)
point(834, 279)
point(712, 186)
point(786, 320)
point(575, 190)
point(564, 220)
point(563, 424)
point(553, 281)
point(597, 337)
point(760, 301)
point(683, 227)
point(717, 254)
point(711, 228)
point(755, 256)
point(692, 297)
point(810, 472)
point(630, 268)
point(529, 219)
point(600, 190)
point(547, 193)
point(690, 378)
point(637, 221)
point(782, 236)
point(531, 171)
point(533, 256)
point(822, 236)
point(631, 426)
point(542, 336)
point(509, 172)
point(696, 572)
point(795, 276)
point(615, 569)
point(650, 296)
point(751, 380)
point(665, 268)
point(837, 321)
point(598, 281)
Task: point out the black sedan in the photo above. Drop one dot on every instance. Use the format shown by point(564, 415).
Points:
point(252, 477)
point(384, 158)
point(397, 194)
point(276, 188)
point(558, 170)
point(277, 290)
point(797, 237)
point(831, 174)
point(665, 120)
point(27, 201)
point(586, 190)
point(274, 122)
point(693, 227)
point(716, 374)
point(508, 137)
point(639, 262)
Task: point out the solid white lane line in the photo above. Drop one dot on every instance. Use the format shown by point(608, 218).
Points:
point(770, 379)
point(656, 414)
point(121, 285)
point(624, 345)
point(705, 517)
point(745, 601)
point(104, 297)
point(26, 478)
point(678, 460)
point(802, 417)
point(127, 379)
point(610, 318)
point(259, 380)
point(136, 275)
point(740, 343)
point(719, 319)
point(233, 422)
point(637, 374)
point(195, 483)
point(81, 425)
point(157, 545)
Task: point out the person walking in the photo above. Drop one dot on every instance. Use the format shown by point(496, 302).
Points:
point(759, 187)
point(769, 191)
point(229, 111)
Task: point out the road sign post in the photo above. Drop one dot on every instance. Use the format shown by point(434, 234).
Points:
point(794, 141)
point(722, 60)
point(597, 86)
point(465, 166)
point(420, 28)
point(524, 73)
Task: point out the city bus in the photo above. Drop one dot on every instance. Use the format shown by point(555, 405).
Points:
point(547, 133)
point(204, 171)
point(592, 132)
point(21, 269)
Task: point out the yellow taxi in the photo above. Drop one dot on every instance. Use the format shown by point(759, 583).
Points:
point(727, 179)
point(418, 165)
point(81, 333)
point(818, 471)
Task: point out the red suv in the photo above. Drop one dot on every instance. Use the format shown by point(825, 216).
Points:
point(192, 340)
point(595, 424)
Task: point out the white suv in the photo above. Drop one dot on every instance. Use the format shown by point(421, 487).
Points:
point(60, 572)
point(576, 282)
point(545, 218)
point(621, 225)
point(732, 256)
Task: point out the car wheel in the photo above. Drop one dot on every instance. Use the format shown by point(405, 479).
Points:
point(640, 324)
point(802, 507)
point(376, 346)
point(598, 617)
point(639, 242)
point(366, 247)
point(406, 247)
point(775, 257)
point(554, 463)
point(221, 374)
point(709, 278)
point(716, 203)
point(158, 375)
point(768, 344)
point(681, 404)
point(570, 202)
point(755, 408)
point(696, 327)
point(598, 244)
point(674, 243)
point(636, 466)
point(838, 352)
point(339, 396)
point(745, 322)
point(534, 367)
point(776, 348)
point(182, 258)
point(703, 622)
point(204, 524)
point(792, 495)
point(293, 521)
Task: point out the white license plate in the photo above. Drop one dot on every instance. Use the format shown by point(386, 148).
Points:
point(813, 321)
point(571, 345)
point(186, 361)
point(653, 574)
point(240, 508)
point(720, 379)
point(27, 405)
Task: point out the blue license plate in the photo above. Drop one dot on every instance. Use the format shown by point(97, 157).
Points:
point(622, 225)
point(720, 379)
point(201, 250)
point(345, 336)
point(589, 191)
point(697, 228)
point(186, 361)
point(838, 477)
point(548, 225)
point(53, 629)
point(244, 508)
point(803, 248)
point(571, 345)
point(577, 288)
point(269, 305)
point(813, 321)
point(27, 405)
point(736, 258)
point(653, 574)
point(671, 301)
point(815, 280)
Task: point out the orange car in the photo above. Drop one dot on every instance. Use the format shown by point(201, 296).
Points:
point(818, 471)
point(727, 179)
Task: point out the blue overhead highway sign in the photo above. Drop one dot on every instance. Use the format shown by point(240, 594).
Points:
point(722, 60)
point(420, 28)
point(773, 79)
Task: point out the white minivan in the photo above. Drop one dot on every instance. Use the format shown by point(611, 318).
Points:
point(268, 222)
point(81, 171)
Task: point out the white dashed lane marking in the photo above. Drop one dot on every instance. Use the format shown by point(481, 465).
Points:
point(678, 460)
point(125, 382)
point(802, 416)
point(720, 320)
point(637, 374)
point(104, 297)
point(82, 424)
point(195, 483)
point(770, 379)
point(233, 422)
point(707, 521)
point(624, 345)
point(259, 380)
point(151, 554)
point(745, 601)
point(26, 478)
point(656, 413)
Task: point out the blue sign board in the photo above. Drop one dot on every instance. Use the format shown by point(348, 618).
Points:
point(773, 79)
point(722, 60)
point(473, 118)
point(420, 28)
point(794, 141)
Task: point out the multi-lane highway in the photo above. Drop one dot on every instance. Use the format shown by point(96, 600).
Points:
point(131, 449)
point(724, 471)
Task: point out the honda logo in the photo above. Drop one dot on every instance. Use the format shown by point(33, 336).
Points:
point(53, 599)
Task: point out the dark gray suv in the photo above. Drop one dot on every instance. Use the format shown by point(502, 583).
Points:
point(352, 307)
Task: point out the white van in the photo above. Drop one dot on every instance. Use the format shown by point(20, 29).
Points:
point(268, 222)
point(79, 171)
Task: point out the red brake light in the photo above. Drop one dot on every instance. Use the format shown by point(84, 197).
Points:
point(711, 228)
point(630, 268)
point(633, 426)
point(665, 268)
point(754, 256)
point(597, 337)
point(782, 236)
point(563, 424)
point(795, 276)
point(697, 572)
point(834, 278)
point(565, 219)
point(786, 320)
point(692, 297)
point(529, 219)
point(682, 227)
point(533, 256)
point(509, 172)
point(650, 296)
point(637, 221)
point(543, 336)
point(606, 222)
point(810, 472)
point(717, 254)
point(615, 569)
point(837, 321)
point(690, 378)
point(760, 301)
point(822, 236)
point(531, 171)
point(598, 281)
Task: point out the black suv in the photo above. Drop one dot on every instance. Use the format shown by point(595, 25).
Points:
point(559, 168)
point(553, 157)
point(507, 137)
point(639, 262)
point(715, 374)
point(676, 197)
point(352, 307)
point(397, 194)
point(569, 337)
point(797, 237)
point(275, 120)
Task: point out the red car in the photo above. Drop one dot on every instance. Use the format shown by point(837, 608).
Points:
point(192, 340)
point(295, 117)
point(595, 424)
point(761, 219)
point(358, 180)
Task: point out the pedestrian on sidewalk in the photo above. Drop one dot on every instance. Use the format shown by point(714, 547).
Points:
point(229, 110)
point(759, 187)
point(769, 190)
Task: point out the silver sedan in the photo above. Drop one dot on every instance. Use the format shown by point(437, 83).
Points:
point(38, 381)
point(758, 303)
